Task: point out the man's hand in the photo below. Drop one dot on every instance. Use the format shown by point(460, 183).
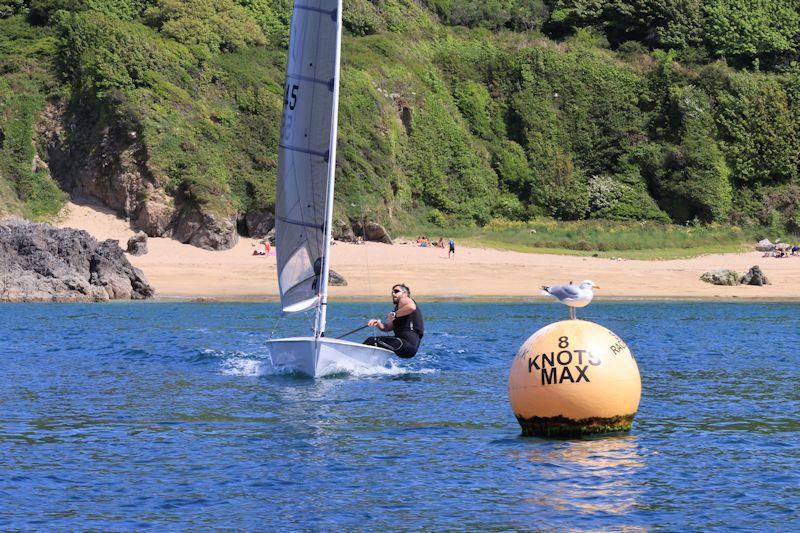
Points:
point(375, 323)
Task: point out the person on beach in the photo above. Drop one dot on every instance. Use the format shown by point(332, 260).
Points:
point(452, 251)
point(405, 321)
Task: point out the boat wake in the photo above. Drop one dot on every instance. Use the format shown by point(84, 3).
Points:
point(257, 364)
point(242, 366)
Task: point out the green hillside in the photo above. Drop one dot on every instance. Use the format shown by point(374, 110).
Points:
point(452, 113)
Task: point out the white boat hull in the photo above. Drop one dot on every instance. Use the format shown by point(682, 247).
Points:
point(322, 356)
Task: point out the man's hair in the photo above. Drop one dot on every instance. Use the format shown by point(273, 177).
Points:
point(403, 287)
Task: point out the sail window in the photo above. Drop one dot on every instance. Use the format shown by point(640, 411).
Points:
point(296, 270)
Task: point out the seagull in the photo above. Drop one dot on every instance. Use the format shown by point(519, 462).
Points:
point(572, 296)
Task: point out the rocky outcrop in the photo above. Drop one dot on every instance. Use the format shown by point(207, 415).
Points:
point(342, 231)
point(754, 276)
point(41, 263)
point(721, 276)
point(375, 232)
point(109, 162)
point(730, 277)
point(206, 230)
point(155, 214)
point(270, 237)
point(258, 224)
point(137, 245)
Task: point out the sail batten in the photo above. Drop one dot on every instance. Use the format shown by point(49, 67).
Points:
point(328, 83)
point(304, 153)
point(324, 155)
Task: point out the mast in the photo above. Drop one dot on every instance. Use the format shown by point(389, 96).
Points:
point(322, 306)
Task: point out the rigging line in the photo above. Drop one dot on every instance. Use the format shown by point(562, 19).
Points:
point(370, 295)
point(312, 319)
point(275, 321)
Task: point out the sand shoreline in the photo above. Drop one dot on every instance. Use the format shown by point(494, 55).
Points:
point(180, 272)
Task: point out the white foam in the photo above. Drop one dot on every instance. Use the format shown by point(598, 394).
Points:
point(360, 370)
point(241, 366)
point(241, 363)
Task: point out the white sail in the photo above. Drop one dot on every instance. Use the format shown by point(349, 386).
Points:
point(304, 206)
point(307, 151)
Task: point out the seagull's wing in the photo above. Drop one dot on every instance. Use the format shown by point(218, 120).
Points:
point(565, 291)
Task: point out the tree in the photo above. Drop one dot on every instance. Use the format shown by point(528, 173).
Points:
point(751, 29)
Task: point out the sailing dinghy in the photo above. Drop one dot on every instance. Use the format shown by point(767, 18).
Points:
point(304, 203)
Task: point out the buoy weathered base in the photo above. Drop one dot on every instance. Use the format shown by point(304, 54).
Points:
point(562, 427)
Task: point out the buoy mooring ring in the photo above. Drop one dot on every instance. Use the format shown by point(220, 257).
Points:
point(574, 378)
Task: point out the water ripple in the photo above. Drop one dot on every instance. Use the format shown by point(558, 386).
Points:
point(171, 416)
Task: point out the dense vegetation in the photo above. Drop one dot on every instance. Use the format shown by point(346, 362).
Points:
point(459, 112)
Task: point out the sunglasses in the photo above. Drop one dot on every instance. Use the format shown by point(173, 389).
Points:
point(394, 291)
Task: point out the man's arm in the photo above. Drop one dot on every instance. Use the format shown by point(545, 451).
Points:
point(406, 307)
point(380, 325)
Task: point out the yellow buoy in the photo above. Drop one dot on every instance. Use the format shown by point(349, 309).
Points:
point(574, 378)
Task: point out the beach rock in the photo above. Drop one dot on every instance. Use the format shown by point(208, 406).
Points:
point(722, 276)
point(335, 279)
point(155, 216)
point(270, 236)
point(206, 230)
point(41, 263)
point(377, 233)
point(137, 245)
point(754, 276)
point(764, 246)
point(259, 223)
point(342, 231)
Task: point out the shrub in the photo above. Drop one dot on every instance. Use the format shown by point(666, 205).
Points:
point(361, 17)
point(437, 218)
point(781, 208)
point(474, 102)
point(273, 16)
point(511, 166)
point(748, 30)
point(102, 54)
point(452, 176)
point(610, 198)
point(508, 206)
point(11, 7)
point(760, 128)
point(205, 26)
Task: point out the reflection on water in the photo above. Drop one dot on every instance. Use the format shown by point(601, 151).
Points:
point(588, 476)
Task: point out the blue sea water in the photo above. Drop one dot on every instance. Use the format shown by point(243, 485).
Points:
point(169, 416)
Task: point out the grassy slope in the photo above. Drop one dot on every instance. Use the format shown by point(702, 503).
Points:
point(633, 240)
point(439, 128)
point(27, 80)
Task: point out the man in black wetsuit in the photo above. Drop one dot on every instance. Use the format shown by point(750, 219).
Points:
point(405, 322)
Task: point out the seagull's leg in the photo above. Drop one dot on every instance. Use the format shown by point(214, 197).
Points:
point(572, 314)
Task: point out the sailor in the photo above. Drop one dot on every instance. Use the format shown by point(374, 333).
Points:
point(405, 321)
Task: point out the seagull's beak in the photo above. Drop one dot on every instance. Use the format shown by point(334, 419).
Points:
point(597, 286)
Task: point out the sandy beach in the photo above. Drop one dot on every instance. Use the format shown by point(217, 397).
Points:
point(180, 271)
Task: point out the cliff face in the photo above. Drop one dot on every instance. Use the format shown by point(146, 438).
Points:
point(41, 263)
point(88, 156)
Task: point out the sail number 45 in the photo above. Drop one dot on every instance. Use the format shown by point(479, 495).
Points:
point(290, 96)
